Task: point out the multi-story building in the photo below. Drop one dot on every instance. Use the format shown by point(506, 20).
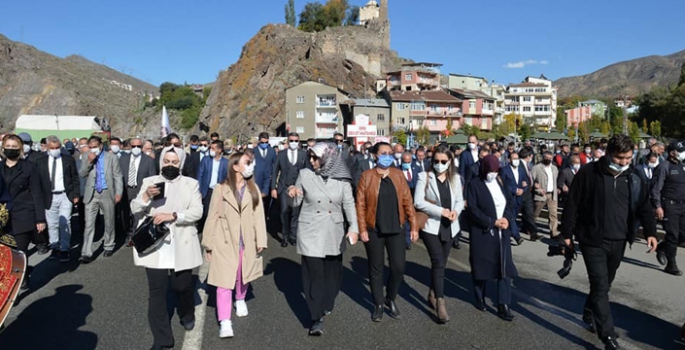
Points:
point(535, 99)
point(368, 12)
point(312, 110)
point(420, 76)
point(474, 83)
point(477, 108)
point(621, 102)
point(598, 107)
point(378, 111)
point(412, 110)
point(577, 115)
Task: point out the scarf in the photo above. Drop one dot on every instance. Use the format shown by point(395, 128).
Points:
point(331, 161)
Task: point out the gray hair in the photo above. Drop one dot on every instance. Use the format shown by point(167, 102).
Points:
point(136, 138)
point(53, 139)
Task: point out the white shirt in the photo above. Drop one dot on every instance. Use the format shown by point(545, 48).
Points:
point(134, 161)
point(215, 173)
point(550, 178)
point(292, 156)
point(497, 197)
point(648, 172)
point(59, 174)
point(202, 155)
point(516, 174)
point(474, 153)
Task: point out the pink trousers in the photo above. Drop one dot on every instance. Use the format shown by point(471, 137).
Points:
point(224, 297)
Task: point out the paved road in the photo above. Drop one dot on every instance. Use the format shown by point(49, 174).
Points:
point(103, 306)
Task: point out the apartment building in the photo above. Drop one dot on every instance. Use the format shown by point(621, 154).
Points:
point(535, 99)
point(412, 110)
point(475, 83)
point(377, 110)
point(312, 110)
point(598, 107)
point(477, 108)
point(420, 76)
point(577, 115)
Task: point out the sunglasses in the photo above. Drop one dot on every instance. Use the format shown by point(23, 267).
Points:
point(136, 146)
point(339, 141)
point(313, 157)
point(443, 162)
point(293, 140)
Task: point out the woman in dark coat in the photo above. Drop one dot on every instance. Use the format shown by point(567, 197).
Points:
point(490, 212)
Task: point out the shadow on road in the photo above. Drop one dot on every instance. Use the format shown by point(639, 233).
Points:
point(59, 328)
point(287, 276)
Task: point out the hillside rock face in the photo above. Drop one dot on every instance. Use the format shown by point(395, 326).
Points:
point(34, 82)
point(249, 97)
point(630, 77)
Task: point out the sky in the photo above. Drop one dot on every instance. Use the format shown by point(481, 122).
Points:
point(505, 41)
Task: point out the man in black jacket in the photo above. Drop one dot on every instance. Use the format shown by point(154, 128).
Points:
point(605, 199)
point(285, 172)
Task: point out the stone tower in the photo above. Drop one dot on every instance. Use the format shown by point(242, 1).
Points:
point(385, 23)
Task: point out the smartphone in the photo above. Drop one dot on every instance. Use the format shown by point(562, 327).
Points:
point(161, 187)
point(349, 239)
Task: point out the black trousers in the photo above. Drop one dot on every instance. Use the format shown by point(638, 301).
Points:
point(205, 210)
point(289, 216)
point(503, 290)
point(527, 214)
point(376, 247)
point(321, 281)
point(602, 263)
point(438, 251)
point(674, 227)
point(23, 239)
point(157, 313)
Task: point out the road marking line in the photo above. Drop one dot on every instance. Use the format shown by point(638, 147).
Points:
point(193, 339)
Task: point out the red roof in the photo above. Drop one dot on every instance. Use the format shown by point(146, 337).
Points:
point(426, 96)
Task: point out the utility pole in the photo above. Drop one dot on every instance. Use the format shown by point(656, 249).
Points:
point(625, 115)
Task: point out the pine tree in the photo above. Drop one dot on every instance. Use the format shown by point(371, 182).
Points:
point(290, 18)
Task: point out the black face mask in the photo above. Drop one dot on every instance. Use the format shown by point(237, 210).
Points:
point(546, 161)
point(170, 172)
point(12, 153)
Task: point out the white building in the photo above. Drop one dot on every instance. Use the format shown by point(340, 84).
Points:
point(535, 99)
point(474, 83)
point(368, 12)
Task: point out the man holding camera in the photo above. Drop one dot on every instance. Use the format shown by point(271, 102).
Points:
point(605, 199)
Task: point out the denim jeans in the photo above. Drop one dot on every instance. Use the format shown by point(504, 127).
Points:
point(58, 218)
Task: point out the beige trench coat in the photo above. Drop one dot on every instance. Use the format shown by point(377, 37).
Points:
point(221, 236)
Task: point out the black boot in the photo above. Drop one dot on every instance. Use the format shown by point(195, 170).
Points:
point(661, 254)
point(504, 312)
point(672, 268)
point(394, 311)
point(317, 328)
point(377, 314)
point(610, 343)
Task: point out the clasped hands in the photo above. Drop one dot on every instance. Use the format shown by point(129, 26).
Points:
point(450, 214)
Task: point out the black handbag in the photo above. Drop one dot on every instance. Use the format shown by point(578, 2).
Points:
point(147, 236)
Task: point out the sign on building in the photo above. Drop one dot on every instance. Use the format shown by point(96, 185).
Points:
point(361, 131)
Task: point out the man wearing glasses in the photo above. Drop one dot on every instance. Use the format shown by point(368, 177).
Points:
point(345, 149)
point(286, 169)
point(134, 168)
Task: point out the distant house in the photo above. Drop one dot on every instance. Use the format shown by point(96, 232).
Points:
point(377, 109)
point(535, 99)
point(577, 115)
point(311, 110)
point(598, 107)
point(422, 76)
point(477, 108)
point(412, 110)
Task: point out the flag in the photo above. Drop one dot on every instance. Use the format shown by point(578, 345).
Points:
point(166, 128)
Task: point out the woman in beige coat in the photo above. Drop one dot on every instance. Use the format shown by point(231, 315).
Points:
point(234, 237)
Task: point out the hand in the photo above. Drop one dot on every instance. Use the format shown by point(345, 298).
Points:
point(91, 157)
point(364, 236)
point(163, 217)
point(152, 191)
point(519, 191)
point(414, 235)
point(453, 215)
point(352, 237)
point(659, 212)
point(558, 191)
point(260, 250)
point(537, 186)
point(117, 198)
point(446, 213)
point(294, 192)
point(568, 243)
point(274, 194)
point(40, 227)
point(652, 243)
point(505, 223)
point(208, 255)
point(565, 188)
point(524, 184)
point(75, 200)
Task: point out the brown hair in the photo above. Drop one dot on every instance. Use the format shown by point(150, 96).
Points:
point(231, 180)
point(16, 138)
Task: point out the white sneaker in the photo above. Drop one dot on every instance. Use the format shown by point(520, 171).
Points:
point(226, 329)
point(240, 308)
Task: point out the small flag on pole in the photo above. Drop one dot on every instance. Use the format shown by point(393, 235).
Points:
point(166, 127)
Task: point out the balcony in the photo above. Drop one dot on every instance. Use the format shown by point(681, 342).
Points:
point(326, 118)
point(323, 133)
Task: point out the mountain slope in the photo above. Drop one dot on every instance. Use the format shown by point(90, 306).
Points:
point(628, 77)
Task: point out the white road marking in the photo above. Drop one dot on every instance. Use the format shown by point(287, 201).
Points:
point(193, 339)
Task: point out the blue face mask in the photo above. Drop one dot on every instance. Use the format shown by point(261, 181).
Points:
point(193, 147)
point(385, 160)
point(340, 146)
point(264, 145)
point(406, 166)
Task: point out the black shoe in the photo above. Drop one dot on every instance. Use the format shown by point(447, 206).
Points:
point(42, 249)
point(394, 311)
point(188, 325)
point(480, 305)
point(326, 312)
point(316, 329)
point(108, 253)
point(504, 312)
point(25, 283)
point(377, 314)
point(284, 242)
point(590, 322)
point(409, 246)
point(85, 259)
point(64, 257)
point(661, 255)
point(610, 343)
point(54, 255)
point(456, 244)
point(534, 237)
point(672, 269)
point(519, 240)
point(292, 241)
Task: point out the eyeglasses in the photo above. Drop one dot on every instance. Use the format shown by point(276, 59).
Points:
point(293, 140)
point(338, 140)
point(136, 146)
point(444, 161)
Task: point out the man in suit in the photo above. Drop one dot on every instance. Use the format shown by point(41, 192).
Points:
point(213, 171)
point(264, 157)
point(528, 224)
point(104, 188)
point(516, 181)
point(134, 168)
point(192, 164)
point(421, 161)
point(544, 177)
point(473, 169)
point(399, 150)
point(60, 184)
point(286, 169)
point(29, 154)
point(364, 162)
point(411, 174)
point(646, 171)
point(115, 146)
point(468, 158)
point(566, 178)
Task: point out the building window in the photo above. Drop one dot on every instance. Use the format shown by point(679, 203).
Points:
point(418, 106)
point(433, 122)
point(526, 109)
point(449, 108)
point(407, 76)
point(526, 99)
point(401, 120)
point(300, 99)
point(400, 106)
point(300, 129)
point(434, 108)
point(380, 117)
point(472, 104)
point(300, 114)
point(381, 132)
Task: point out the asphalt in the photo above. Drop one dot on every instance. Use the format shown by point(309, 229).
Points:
point(103, 305)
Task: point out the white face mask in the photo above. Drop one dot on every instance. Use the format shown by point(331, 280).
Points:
point(55, 153)
point(136, 151)
point(127, 151)
point(653, 165)
point(516, 162)
point(148, 153)
point(588, 151)
point(472, 146)
point(250, 146)
point(576, 167)
point(293, 145)
point(95, 151)
point(27, 149)
point(115, 149)
point(249, 171)
point(618, 168)
point(398, 155)
point(212, 153)
point(681, 156)
point(202, 149)
point(491, 177)
point(440, 168)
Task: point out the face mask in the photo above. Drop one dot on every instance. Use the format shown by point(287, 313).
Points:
point(115, 149)
point(293, 145)
point(27, 149)
point(12, 153)
point(472, 146)
point(202, 149)
point(228, 150)
point(516, 162)
point(194, 147)
point(617, 168)
point(557, 151)
point(398, 155)
point(653, 165)
point(136, 151)
point(340, 146)
point(128, 151)
point(212, 153)
point(576, 167)
point(170, 172)
point(385, 160)
point(250, 146)
point(681, 156)
point(440, 168)
point(588, 151)
point(249, 171)
point(366, 151)
point(490, 177)
point(95, 151)
point(148, 153)
point(546, 161)
point(406, 166)
point(264, 145)
point(55, 153)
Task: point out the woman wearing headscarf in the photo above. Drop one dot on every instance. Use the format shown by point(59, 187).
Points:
point(490, 212)
point(234, 237)
point(325, 194)
point(175, 257)
point(439, 195)
point(384, 204)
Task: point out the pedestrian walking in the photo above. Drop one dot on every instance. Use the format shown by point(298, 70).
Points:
point(288, 165)
point(546, 193)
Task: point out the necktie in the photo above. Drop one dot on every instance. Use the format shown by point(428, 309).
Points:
point(132, 172)
point(409, 175)
point(54, 170)
point(421, 164)
point(98, 177)
point(292, 157)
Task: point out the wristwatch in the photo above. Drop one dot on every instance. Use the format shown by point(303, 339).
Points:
point(175, 216)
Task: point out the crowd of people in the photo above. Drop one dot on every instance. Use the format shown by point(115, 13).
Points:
point(216, 199)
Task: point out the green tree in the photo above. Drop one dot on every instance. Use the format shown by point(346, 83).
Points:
point(423, 135)
point(561, 121)
point(645, 128)
point(681, 81)
point(352, 16)
point(634, 131)
point(290, 18)
point(400, 136)
point(525, 131)
point(311, 17)
point(655, 128)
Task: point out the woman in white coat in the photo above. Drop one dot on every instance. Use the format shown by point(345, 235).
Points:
point(178, 254)
point(439, 195)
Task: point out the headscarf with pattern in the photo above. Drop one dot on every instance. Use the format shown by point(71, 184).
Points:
point(331, 161)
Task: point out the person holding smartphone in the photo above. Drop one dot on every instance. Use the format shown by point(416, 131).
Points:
point(324, 194)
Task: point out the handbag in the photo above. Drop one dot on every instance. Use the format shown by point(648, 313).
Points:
point(421, 217)
point(147, 235)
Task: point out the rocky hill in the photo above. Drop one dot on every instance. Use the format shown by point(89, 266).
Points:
point(629, 77)
point(35, 82)
point(249, 97)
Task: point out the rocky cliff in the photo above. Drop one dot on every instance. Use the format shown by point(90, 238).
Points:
point(249, 97)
